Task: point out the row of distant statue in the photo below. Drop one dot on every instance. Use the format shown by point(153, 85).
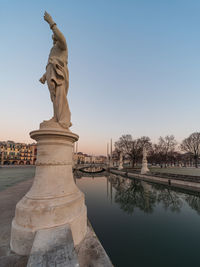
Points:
point(144, 168)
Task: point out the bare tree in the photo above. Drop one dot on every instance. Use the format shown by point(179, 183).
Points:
point(132, 148)
point(192, 145)
point(145, 141)
point(165, 147)
point(136, 152)
point(125, 145)
point(155, 154)
point(116, 153)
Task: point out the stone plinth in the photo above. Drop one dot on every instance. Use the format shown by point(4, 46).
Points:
point(54, 198)
point(53, 247)
point(145, 168)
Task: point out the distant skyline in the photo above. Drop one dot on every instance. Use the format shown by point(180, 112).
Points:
point(134, 68)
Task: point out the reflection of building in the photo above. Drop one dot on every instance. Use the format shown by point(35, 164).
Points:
point(12, 153)
point(81, 158)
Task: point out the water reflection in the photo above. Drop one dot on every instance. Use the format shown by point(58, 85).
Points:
point(194, 202)
point(134, 193)
point(92, 169)
point(168, 198)
point(131, 194)
point(143, 224)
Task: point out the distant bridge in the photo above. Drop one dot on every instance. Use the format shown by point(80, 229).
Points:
point(88, 165)
point(89, 169)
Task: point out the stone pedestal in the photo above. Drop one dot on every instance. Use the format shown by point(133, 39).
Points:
point(54, 198)
point(145, 168)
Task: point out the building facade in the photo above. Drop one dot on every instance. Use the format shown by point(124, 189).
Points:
point(12, 153)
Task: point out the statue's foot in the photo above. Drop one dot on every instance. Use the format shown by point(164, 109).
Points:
point(53, 119)
point(52, 123)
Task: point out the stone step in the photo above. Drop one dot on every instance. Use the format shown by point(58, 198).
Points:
point(53, 247)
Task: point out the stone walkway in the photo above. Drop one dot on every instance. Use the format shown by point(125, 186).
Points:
point(8, 200)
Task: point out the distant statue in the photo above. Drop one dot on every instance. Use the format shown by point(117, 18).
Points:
point(145, 168)
point(57, 76)
point(120, 167)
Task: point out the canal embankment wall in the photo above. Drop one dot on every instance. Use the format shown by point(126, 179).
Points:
point(177, 183)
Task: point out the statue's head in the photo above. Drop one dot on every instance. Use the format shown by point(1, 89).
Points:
point(54, 39)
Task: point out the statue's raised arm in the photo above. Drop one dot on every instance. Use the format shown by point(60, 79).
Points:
point(57, 33)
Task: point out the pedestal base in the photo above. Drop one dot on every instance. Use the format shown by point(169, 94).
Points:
point(53, 199)
point(144, 169)
point(120, 166)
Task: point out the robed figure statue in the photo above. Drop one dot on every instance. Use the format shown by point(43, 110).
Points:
point(57, 76)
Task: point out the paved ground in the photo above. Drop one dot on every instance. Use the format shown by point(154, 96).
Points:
point(8, 200)
point(12, 175)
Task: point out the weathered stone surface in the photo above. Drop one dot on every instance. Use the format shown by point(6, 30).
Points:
point(54, 199)
point(53, 247)
point(13, 260)
point(57, 76)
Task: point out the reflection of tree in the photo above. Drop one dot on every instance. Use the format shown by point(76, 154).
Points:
point(193, 202)
point(170, 199)
point(131, 194)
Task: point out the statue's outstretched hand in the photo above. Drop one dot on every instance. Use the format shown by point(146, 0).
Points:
point(48, 18)
point(43, 79)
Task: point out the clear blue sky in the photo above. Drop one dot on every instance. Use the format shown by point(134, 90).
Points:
point(134, 68)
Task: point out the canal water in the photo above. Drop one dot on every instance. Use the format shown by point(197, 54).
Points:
point(141, 224)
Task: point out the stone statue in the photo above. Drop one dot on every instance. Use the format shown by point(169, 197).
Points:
point(53, 201)
point(57, 76)
point(120, 167)
point(145, 168)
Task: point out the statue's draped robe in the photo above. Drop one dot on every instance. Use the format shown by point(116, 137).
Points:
point(57, 76)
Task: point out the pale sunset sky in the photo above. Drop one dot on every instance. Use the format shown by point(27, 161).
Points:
point(134, 68)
